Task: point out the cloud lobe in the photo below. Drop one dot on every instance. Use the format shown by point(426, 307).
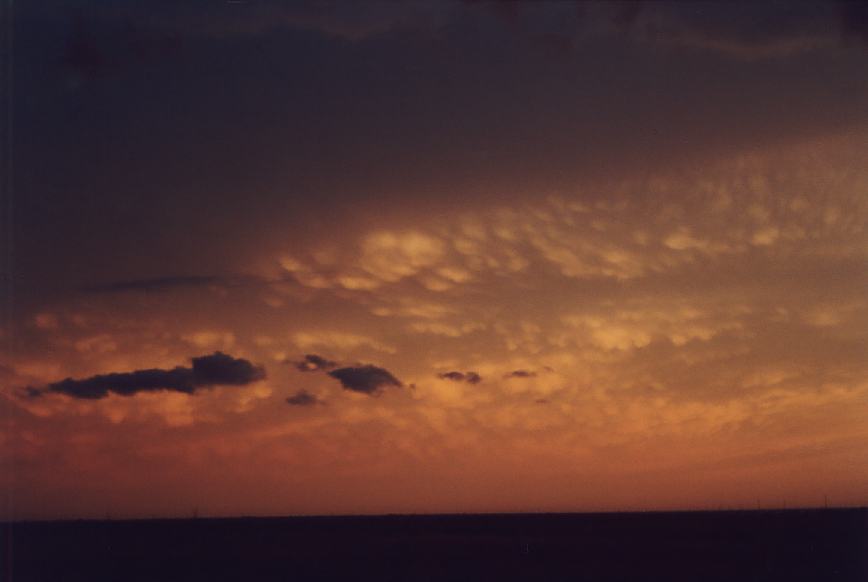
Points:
point(366, 379)
point(455, 376)
point(217, 369)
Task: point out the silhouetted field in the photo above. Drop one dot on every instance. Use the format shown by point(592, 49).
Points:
point(735, 546)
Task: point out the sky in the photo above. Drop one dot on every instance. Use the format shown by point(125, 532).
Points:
point(355, 258)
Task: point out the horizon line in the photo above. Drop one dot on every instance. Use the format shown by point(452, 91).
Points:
point(199, 517)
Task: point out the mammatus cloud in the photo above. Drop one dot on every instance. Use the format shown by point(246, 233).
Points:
point(520, 374)
point(366, 379)
point(314, 363)
point(217, 369)
point(469, 377)
point(303, 398)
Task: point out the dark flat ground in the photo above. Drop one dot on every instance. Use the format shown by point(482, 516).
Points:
point(735, 546)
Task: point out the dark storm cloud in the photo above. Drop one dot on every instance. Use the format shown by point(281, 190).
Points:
point(469, 377)
point(170, 125)
point(158, 284)
point(520, 374)
point(217, 369)
point(303, 398)
point(178, 379)
point(314, 363)
point(367, 379)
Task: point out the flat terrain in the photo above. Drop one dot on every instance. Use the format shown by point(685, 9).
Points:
point(733, 546)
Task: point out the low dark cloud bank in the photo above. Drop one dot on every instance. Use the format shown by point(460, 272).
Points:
point(217, 369)
point(366, 379)
point(469, 377)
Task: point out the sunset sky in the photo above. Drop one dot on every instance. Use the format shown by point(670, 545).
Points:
point(338, 257)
